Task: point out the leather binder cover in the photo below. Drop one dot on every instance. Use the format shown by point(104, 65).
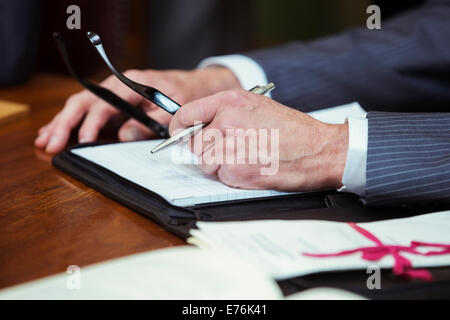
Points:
point(331, 206)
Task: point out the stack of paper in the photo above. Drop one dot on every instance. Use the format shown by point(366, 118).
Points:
point(277, 247)
point(176, 273)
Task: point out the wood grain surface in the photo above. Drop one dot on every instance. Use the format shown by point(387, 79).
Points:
point(9, 111)
point(49, 220)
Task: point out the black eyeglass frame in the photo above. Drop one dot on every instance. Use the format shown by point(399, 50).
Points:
point(109, 96)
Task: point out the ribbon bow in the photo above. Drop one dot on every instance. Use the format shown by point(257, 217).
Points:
point(402, 266)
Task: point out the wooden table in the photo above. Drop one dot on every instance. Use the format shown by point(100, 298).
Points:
point(49, 220)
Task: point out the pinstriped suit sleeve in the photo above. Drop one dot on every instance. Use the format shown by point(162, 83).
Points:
point(403, 67)
point(408, 158)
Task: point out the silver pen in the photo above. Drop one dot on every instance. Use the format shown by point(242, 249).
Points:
point(192, 130)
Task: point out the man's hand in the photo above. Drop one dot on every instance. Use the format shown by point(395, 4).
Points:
point(311, 155)
point(181, 86)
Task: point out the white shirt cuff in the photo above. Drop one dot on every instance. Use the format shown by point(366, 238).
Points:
point(354, 178)
point(249, 73)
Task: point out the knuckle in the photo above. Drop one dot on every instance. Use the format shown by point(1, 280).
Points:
point(180, 97)
point(175, 126)
point(109, 81)
point(166, 76)
point(130, 72)
point(72, 100)
point(234, 98)
point(182, 116)
point(75, 101)
point(231, 96)
point(101, 109)
point(59, 130)
point(134, 74)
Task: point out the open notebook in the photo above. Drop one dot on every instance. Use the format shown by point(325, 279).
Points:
point(181, 184)
point(167, 174)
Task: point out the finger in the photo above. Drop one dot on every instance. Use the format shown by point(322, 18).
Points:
point(43, 136)
point(210, 160)
point(44, 132)
point(228, 176)
point(132, 130)
point(42, 139)
point(206, 139)
point(204, 110)
point(240, 176)
point(58, 138)
point(69, 117)
point(209, 169)
point(95, 120)
point(209, 147)
point(123, 91)
point(43, 129)
point(198, 111)
point(158, 114)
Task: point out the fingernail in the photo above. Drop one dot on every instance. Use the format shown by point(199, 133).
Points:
point(133, 134)
point(42, 131)
point(53, 143)
point(40, 138)
point(85, 139)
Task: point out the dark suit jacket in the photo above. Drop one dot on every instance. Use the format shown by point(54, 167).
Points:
point(405, 67)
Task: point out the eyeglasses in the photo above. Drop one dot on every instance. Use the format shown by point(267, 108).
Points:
point(150, 93)
point(153, 94)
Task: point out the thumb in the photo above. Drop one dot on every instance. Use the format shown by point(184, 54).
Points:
point(132, 130)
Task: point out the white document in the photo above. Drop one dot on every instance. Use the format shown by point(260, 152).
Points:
point(163, 173)
point(166, 173)
point(175, 273)
point(277, 246)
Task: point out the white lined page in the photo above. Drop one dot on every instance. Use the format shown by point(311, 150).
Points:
point(180, 184)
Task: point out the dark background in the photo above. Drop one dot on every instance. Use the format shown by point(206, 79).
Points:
point(168, 34)
point(179, 33)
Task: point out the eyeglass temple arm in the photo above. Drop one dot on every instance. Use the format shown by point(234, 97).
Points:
point(108, 95)
point(150, 93)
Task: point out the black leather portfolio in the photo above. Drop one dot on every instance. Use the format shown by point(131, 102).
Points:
point(327, 205)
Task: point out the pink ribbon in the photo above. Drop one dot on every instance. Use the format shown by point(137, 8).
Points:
point(402, 266)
